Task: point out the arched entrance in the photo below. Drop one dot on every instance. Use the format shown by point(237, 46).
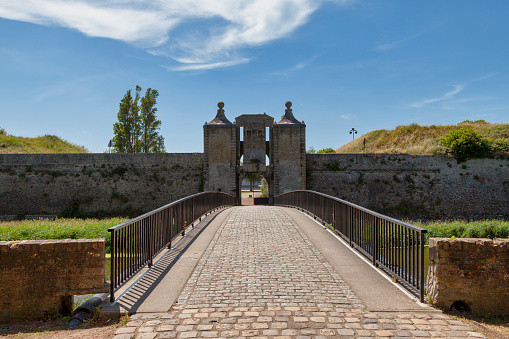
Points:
point(254, 190)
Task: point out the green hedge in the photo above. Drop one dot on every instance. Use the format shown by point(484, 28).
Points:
point(59, 229)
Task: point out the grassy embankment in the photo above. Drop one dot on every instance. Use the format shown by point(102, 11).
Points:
point(58, 229)
point(10, 144)
point(96, 228)
point(463, 229)
point(418, 139)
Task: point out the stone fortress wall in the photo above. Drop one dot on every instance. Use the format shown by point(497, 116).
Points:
point(403, 185)
point(397, 185)
point(96, 184)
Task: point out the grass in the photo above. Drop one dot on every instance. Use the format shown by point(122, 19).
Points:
point(10, 144)
point(463, 229)
point(59, 229)
point(419, 139)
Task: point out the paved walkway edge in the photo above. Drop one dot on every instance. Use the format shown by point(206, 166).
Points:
point(371, 286)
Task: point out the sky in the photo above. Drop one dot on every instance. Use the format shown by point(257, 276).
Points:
point(363, 64)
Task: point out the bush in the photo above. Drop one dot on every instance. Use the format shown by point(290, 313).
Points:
point(465, 143)
point(326, 150)
point(2, 131)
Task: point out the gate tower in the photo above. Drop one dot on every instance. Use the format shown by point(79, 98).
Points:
point(285, 149)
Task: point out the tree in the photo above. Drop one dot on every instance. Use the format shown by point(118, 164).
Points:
point(253, 178)
point(151, 141)
point(135, 132)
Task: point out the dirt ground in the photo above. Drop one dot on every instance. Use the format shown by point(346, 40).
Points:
point(96, 328)
point(492, 327)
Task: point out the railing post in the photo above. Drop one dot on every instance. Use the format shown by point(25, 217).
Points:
point(421, 268)
point(112, 266)
point(375, 239)
point(150, 242)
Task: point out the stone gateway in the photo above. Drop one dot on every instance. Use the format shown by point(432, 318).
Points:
point(255, 144)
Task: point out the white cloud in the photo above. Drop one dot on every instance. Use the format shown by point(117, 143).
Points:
point(346, 116)
point(299, 66)
point(384, 47)
point(446, 96)
point(201, 67)
point(213, 31)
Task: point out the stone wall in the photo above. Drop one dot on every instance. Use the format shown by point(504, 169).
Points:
point(130, 184)
point(96, 184)
point(39, 277)
point(414, 185)
point(473, 273)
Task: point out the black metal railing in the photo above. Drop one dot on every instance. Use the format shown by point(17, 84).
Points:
point(396, 246)
point(136, 242)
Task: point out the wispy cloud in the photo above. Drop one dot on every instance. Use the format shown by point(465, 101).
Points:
point(387, 46)
point(346, 116)
point(446, 96)
point(299, 66)
point(201, 67)
point(224, 26)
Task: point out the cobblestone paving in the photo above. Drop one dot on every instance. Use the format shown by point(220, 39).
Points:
point(261, 277)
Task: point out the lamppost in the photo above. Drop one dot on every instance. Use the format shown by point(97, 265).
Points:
point(110, 144)
point(353, 132)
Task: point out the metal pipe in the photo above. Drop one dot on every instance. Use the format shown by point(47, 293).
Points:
point(86, 310)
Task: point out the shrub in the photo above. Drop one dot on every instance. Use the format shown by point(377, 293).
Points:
point(465, 143)
point(326, 150)
point(2, 131)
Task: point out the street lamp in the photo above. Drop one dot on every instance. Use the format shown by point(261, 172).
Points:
point(353, 132)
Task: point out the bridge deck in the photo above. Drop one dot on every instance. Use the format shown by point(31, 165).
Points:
point(270, 271)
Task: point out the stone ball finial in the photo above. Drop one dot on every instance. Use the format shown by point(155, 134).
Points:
point(220, 104)
point(288, 104)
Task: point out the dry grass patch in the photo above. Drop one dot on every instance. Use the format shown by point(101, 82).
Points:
point(419, 139)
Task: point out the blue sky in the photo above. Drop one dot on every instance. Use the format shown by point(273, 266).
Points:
point(366, 64)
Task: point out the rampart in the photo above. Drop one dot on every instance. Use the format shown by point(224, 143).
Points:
point(39, 277)
point(469, 273)
point(414, 185)
point(96, 184)
point(114, 184)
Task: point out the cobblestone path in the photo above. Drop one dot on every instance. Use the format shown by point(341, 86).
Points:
point(261, 277)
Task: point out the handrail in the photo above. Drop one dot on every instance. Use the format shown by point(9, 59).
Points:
point(395, 245)
point(135, 243)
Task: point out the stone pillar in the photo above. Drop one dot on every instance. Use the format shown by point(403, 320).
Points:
point(220, 148)
point(289, 153)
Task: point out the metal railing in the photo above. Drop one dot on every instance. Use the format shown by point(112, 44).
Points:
point(396, 246)
point(136, 242)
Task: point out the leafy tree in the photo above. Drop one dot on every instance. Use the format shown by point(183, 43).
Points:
point(135, 132)
point(465, 143)
point(2, 131)
point(253, 178)
point(326, 150)
point(151, 141)
point(311, 150)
